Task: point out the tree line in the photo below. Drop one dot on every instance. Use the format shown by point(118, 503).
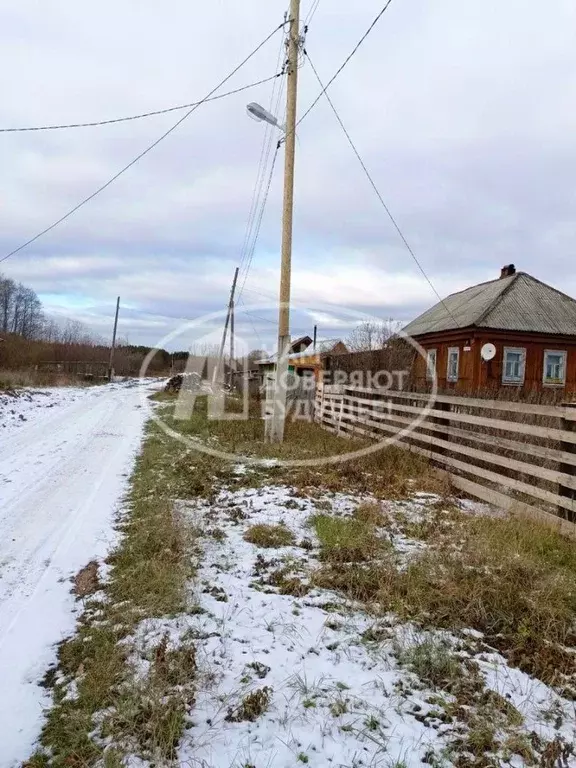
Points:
point(20, 309)
point(29, 338)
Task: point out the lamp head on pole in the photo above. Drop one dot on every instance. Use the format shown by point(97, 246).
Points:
point(258, 113)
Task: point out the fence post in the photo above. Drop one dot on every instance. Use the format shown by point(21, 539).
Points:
point(319, 404)
point(568, 469)
point(444, 423)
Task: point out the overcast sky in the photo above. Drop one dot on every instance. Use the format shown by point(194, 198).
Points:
point(464, 113)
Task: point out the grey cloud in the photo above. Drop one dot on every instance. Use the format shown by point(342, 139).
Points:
point(461, 113)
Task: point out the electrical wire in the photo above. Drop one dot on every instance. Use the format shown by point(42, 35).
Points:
point(376, 190)
point(260, 342)
point(260, 217)
point(145, 152)
point(311, 12)
point(346, 61)
point(260, 197)
point(262, 166)
point(143, 114)
point(259, 293)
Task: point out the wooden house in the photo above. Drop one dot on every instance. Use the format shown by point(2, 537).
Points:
point(305, 358)
point(514, 333)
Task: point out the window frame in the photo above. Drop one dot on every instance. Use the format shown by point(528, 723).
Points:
point(429, 375)
point(564, 354)
point(519, 381)
point(449, 378)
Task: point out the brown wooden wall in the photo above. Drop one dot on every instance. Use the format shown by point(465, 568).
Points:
point(476, 374)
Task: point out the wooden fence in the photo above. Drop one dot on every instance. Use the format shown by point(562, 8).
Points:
point(518, 456)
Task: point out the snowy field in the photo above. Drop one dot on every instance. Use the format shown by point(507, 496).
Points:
point(308, 677)
point(65, 456)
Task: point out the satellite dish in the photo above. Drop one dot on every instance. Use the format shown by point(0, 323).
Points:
point(488, 352)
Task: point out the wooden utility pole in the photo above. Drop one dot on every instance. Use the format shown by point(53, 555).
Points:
point(225, 331)
point(275, 426)
point(113, 347)
point(232, 364)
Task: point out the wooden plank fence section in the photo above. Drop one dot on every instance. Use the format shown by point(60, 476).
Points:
point(532, 473)
point(477, 402)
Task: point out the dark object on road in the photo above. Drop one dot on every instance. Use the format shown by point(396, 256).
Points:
point(190, 382)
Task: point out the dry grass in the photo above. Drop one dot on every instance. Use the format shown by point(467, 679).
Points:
point(29, 378)
point(252, 706)
point(267, 536)
point(433, 662)
point(390, 472)
point(347, 540)
point(514, 581)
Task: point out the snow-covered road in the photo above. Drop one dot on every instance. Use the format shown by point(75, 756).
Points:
point(65, 456)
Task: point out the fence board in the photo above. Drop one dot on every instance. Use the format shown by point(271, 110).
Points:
point(549, 433)
point(344, 411)
point(502, 480)
point(496, 441)
point(556, 411)
point(553, 476)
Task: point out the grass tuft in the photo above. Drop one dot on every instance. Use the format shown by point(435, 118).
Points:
point(346, 539)
point(252, 706)
point(269, 536)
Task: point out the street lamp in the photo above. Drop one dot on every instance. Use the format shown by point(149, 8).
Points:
point(258, 113)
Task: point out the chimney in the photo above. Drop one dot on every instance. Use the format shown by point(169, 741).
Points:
point(507, 271)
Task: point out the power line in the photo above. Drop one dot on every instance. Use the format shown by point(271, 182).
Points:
point(311, 12)
point(376, 190)
point(344, 64)
point(267, 320)
point(262, 165)
point(143, 114)
point(259, 293)
point(260, 217)
point(146, 151)
point(241, 301)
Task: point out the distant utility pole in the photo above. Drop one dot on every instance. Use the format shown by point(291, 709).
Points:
point(275, 426)
point(113, 347)
point(232, 365)
point(223, 342)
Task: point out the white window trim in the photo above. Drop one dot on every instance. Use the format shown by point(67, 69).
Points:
point(450, 351)
point(522, 352)
point(564, 354)
point(430, 352)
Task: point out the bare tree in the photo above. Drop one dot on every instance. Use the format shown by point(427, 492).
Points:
point(20, 309)
point(372, 335)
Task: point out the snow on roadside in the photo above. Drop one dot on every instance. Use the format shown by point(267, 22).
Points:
point(21, 405)
point(308, 677)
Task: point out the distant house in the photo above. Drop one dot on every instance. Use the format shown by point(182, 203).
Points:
point(304, 358)
point(531, 326)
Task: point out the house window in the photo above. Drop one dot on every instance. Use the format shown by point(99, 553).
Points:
point(431, 356)
point(554, 367)
point(514, 365)
point(453, 360)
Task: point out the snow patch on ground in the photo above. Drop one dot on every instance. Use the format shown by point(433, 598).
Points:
point(21, 405)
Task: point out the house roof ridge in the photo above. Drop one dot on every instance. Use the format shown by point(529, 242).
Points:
point(497, 299)
point(478, 285)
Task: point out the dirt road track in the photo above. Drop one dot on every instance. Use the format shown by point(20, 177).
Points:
point(63, 473)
